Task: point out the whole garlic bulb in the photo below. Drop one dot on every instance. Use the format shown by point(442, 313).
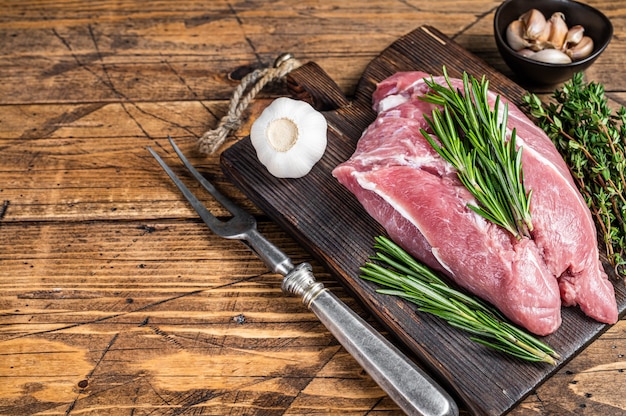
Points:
point(289, 137)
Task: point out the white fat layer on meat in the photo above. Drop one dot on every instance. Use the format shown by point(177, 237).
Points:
point(371, 186)
point(549, 165)
point(402, 160)
point(435, 252)
point(521, 143)
point(391, 101)
point(394, 99)
point(411, 158)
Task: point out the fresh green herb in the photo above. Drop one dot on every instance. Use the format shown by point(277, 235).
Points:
point(591, 139)
point(405, 277)
point(473, 138)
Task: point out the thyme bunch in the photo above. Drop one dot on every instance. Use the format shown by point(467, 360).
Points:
point(473, 138)
point(591, 139)
point(405, 277)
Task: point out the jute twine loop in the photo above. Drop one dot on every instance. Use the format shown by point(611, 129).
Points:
point(252, 83)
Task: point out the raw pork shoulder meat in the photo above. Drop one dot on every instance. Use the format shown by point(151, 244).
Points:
point(415, 194)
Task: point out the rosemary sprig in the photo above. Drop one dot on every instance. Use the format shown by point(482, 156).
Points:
point(473, 138)
point(591, 139)
point(409, 279)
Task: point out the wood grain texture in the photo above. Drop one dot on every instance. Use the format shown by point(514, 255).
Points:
point(334, 227)
point(114, 298)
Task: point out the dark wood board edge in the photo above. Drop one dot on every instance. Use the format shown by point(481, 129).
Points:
point(298, 205)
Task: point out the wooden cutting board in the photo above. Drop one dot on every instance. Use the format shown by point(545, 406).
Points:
point(327, 220)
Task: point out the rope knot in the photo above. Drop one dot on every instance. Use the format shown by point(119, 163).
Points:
point(230, 122)
point(249, 87)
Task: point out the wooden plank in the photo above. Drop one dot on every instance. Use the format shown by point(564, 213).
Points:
point(94, 320)
point(332, 225)
point(89, 161)
point(76, 243)
point(163, 52)
point(170, 52)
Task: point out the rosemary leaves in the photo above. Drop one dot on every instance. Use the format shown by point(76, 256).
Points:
point(591, 138)
point(473, 138)
point(405, 277)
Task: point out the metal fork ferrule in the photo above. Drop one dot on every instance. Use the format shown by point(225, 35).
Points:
point(300, 281)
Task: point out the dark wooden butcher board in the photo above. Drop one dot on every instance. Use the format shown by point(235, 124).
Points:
point(328, 221)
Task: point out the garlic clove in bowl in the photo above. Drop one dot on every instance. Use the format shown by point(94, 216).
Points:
point(551, 56)
point(289, 137)
point(582, 20)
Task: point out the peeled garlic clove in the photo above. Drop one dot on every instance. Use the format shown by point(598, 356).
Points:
point(551, 56)
point(289, 137)
point(544, 36)
point(558, 30)
point(542, 40)
point(514, 35)
point(526, 52)
point(534, 22)
point(574, 35)
point(581, 50)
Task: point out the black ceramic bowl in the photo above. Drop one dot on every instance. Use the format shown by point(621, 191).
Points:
point(597, 26)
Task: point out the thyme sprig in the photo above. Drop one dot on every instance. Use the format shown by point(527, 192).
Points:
point(473, 138)
point(409, 279)
point(591, 139)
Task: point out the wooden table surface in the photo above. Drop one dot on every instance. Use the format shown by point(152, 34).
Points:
point(115, 299)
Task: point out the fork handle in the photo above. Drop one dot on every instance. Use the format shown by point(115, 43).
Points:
point(407, 385)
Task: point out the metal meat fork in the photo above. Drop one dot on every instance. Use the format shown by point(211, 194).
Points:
point(414, 391)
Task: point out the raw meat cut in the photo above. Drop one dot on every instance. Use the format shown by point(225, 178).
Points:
point(415, 194)
point(564, 228)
